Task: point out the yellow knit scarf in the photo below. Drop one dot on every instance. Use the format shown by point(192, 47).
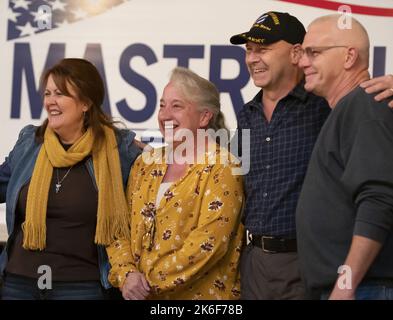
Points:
point(112, 213)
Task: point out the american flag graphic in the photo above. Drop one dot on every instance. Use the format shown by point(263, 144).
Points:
point(27, 17)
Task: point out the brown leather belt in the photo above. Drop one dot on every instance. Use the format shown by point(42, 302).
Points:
point(272, 244)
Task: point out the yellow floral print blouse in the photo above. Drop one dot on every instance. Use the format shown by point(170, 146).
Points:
point(189, 246)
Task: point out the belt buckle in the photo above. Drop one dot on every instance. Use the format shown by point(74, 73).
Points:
point(263, 244)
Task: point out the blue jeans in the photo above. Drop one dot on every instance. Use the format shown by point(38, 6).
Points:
point(23, 288)
point(369, 292)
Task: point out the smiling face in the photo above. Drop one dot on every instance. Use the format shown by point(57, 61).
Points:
point(324, 64)
point(268, 64)
point(65, 112)
point(177, 113)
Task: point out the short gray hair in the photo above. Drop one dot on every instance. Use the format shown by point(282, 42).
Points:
point(201, 92)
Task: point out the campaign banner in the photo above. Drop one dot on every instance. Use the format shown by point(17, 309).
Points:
point(136, 43)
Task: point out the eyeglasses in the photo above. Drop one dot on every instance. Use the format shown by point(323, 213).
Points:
point(313, 52)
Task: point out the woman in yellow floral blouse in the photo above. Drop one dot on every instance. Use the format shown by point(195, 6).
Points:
point(185, 213)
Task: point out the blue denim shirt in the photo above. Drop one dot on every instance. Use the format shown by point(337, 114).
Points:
point(17, 170)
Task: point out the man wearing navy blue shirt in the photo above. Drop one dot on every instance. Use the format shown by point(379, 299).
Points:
point(284, 121)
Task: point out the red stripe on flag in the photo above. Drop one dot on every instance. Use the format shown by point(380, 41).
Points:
point(334, 5)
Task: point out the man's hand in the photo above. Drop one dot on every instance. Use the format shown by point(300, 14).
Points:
point(381, 85)
point(135, 287)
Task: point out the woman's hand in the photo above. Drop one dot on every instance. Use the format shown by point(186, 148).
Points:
point(135, 287)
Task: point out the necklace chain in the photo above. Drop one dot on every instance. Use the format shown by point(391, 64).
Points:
point(58, 184)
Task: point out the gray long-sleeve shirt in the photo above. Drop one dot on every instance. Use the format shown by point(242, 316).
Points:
point(348, 190)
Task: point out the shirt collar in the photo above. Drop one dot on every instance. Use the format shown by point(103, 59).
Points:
point(297, 92)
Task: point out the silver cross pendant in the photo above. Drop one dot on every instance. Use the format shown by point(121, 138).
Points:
point(58, 186)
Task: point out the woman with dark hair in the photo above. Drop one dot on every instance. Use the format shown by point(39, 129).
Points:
point(63, 184)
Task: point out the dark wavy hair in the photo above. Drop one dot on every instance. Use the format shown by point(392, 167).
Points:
point(85, 79)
